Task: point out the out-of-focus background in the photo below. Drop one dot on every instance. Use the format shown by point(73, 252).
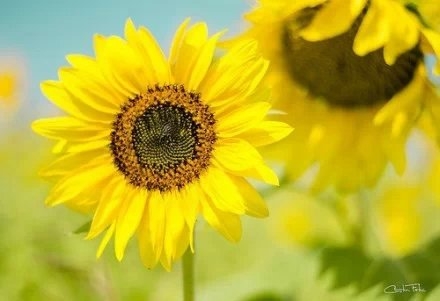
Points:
point(301, 252)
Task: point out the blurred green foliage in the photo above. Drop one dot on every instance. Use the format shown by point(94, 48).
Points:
point(42, 259)
point(352, 266)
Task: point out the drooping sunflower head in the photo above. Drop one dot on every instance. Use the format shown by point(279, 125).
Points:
point(150, 143)
point(352, 78)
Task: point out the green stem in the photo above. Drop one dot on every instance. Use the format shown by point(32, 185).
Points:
point(188, 275)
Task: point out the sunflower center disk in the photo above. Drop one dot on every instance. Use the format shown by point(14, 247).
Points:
point(163, 139)
point(331, 70)
point(164, 136)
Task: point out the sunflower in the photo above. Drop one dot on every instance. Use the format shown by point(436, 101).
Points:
point(7, 85)
point(351, 77)
point(11, 84)
point(150, 143)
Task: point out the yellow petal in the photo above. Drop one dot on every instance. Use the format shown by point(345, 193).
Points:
point(105, 240)
point(91, 73)
point(182, 244)
point(334, 18)
point(66, 163)
point(403, 37)
point(175, 227)
point(129, 218)
point(156, 214)
point(177, 41)
point(84, 146)
point(56, 93)
point(253, 202)
point(240, 158)
point(83, 178)
point(156, 65)
point(148, 255)
point(235, 75)
point(266, 132)
point(59, 146)
point(406, 100)
point(235, 154)
point(203, 62)
point(260, 172)
point(241, 119)
point(399, 123)
point(190, 208)
point(107, 211)
point(378, 30)
point(222, 191)
point(90, 91)
point(395, 151)
point(85, 64)
point(375, 29)
point(121, 65)
point(70, 128)
point(228, 224)
point(157, 61)
point(193, 42)
point(84, 205)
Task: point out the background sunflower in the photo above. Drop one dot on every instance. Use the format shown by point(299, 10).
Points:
point(351, 77)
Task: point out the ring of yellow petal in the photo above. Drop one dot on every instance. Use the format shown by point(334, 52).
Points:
point(330, 69)
point(163, 139)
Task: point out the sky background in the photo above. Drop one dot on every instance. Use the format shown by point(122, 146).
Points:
point(43, 32)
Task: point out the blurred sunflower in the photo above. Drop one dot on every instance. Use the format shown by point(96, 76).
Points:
point(405, 210)
point(304, 221)
point(399, 219)
point(150, 143)
point(8, 83)
point(351, 77)
point(11, 84)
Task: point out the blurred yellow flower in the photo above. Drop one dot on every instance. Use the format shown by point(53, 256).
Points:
point(305, 221)
point(150, 143)
point(400, 218)
point(351, 77)
point(11, 84)
point(405, 211)
point(8, 84)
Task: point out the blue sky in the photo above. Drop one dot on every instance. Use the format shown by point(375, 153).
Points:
point(44, 31)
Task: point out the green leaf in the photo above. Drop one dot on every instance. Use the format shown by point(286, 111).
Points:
point(348, 263)
point(83, 228)
point(352, 266)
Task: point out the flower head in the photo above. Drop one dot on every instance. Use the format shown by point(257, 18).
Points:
point(150, 143)
point(350, 75)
